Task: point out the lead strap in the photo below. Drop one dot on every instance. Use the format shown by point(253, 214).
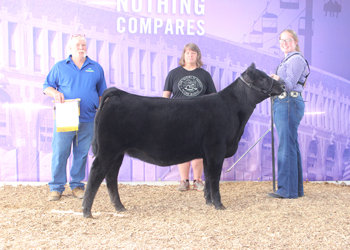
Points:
point(76, 137)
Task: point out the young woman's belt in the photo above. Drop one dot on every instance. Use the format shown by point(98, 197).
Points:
point(293, 94)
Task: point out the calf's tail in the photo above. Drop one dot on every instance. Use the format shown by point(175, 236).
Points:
point(106, 94)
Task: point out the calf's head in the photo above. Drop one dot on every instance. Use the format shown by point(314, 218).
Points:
point(261, 82)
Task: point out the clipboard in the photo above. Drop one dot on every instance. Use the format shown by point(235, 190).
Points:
point(67, 115)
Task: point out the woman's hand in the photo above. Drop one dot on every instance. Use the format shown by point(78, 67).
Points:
point(275, 77)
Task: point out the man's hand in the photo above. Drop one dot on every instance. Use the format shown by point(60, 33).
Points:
point(59, 97)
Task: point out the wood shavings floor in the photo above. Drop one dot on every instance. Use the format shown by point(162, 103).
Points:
point(160, 217)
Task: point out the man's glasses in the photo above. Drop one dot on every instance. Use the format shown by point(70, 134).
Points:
point(77, 35)
point(286, 40)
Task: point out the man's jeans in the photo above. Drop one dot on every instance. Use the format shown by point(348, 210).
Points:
point(287, 114)
point(61, 149)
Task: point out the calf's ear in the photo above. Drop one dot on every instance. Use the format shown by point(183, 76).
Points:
point(252, 66)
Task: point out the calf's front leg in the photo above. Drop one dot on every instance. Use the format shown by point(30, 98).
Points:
point(213, 172)
point(207, 189)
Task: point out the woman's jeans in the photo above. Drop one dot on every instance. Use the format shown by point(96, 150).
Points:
point(61, 149)
point(287, 114)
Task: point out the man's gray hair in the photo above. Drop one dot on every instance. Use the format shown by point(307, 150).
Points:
point(79, 36)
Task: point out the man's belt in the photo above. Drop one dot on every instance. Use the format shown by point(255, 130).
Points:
point(293, 94)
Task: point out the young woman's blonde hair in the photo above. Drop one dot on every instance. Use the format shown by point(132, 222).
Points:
point(194, 47)
point(295, 37)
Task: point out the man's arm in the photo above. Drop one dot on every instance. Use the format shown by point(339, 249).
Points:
point(58, 96)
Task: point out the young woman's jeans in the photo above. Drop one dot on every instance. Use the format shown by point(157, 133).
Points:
point(61, 149)
point(287, 114)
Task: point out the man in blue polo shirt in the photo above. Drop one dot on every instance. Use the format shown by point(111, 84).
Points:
point(76, 77)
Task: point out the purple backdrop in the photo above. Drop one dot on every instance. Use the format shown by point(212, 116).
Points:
point(138, 42)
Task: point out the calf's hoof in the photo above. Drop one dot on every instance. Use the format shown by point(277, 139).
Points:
point(209, 203)
point(86, 213)
point(88, 216)
point(221, 207)
point(120, 209)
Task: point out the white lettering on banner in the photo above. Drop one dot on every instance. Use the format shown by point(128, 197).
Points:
point(199, 25)
point(158, 23)
point(162, 6)
point(149, 6)
point(185, 5)
point(169, 27)
point(145, 26)
point(180, 26)
point(190, 27)
point(133, 6)
point(154, 24)
point(163, 3)
point(199, 8)
point(132, 25)
point(120, 29)
point(174, 7)
point(123, 4)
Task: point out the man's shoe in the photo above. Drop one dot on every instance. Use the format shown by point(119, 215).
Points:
point(78, 192)
point(54, 196)
point(198, 185)
point(184, 185)
point(274, 195)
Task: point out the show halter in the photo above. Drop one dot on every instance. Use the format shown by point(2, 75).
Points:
point(250, 85)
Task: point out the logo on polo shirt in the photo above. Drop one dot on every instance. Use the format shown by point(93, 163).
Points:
point(89, 70)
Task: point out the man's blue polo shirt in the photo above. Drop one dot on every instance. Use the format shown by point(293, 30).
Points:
point(87, 83)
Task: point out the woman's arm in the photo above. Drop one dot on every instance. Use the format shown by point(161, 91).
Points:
point(166, 94)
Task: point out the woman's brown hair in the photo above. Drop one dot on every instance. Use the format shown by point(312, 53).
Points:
point(194, 47)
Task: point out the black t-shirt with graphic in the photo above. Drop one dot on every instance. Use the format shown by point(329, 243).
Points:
point(183, 83)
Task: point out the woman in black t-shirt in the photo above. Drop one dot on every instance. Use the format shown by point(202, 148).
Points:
point(186, 81)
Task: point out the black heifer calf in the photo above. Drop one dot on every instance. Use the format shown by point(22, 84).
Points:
point(165, 132)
